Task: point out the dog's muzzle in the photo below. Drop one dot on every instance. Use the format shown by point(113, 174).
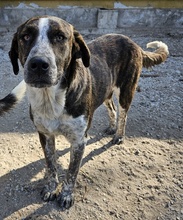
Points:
point(39, 72)
point(39, 66)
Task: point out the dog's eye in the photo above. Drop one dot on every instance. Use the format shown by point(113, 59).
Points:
point(26, 37)
point(59, 37)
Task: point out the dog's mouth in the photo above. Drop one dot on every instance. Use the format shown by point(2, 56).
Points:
point(41, 83)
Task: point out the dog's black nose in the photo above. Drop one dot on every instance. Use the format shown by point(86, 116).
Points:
point(39, 65)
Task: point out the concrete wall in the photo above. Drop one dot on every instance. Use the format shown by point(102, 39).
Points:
point(99, 21)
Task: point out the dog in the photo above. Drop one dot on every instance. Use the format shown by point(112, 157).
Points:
point(67, 80)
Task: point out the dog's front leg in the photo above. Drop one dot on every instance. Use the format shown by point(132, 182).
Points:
point(48, 145)
point(66, 196)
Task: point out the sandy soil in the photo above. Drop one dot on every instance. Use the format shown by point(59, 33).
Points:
point(141, 179)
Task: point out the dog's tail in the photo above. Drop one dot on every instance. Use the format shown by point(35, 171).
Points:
point(16, 95)
point(158, 56)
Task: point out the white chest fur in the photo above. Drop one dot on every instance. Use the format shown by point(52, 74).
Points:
point(47, 106)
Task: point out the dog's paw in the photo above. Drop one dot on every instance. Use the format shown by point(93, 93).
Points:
point(110, 131)
point(49, 191)
point(118, 140)
point(65, 199)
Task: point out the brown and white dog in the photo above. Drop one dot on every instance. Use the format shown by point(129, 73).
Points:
point(67, 80)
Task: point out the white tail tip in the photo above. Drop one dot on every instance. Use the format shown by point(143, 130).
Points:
point(157, 45)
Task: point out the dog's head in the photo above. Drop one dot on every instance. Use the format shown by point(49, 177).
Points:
point(45, 46)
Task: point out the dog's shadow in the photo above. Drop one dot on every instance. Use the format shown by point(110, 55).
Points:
point(20, 183)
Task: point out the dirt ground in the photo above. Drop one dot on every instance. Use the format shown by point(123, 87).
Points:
point(141, 179)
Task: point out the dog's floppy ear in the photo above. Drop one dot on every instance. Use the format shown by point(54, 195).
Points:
point(81, 49)
point(13, 54)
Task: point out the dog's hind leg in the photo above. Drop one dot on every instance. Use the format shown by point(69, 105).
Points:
point(109, 103)
point(48, 144)
point(121, 124)
point(125, 96)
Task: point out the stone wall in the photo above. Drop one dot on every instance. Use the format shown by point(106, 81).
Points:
point(99, 21)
